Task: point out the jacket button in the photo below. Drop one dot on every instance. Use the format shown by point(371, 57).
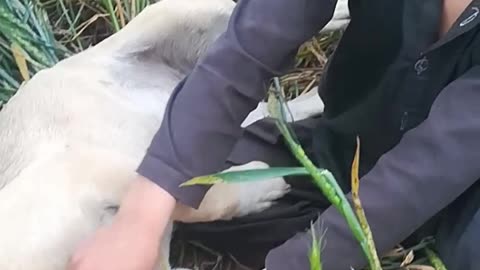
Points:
point(421, 66)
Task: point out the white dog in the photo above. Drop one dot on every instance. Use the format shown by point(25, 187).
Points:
point(72, 137)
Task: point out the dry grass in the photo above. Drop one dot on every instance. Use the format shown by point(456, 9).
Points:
point(47, 31)
point(311, 60)
point(194, 255)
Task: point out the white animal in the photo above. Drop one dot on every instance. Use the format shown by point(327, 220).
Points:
point(72, 136)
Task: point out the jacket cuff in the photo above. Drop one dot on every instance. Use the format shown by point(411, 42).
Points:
point(169, 179)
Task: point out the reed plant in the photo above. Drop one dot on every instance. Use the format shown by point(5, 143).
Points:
point(37, 34)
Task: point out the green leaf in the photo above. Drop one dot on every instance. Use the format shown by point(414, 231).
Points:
point(246, 175)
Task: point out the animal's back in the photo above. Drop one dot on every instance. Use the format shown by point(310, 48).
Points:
point(81, 102)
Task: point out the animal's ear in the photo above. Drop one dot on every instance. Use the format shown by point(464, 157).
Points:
point(174, 32)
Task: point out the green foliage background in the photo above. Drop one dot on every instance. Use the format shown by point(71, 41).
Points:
point(46, 31)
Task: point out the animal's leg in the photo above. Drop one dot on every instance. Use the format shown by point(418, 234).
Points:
point(226, 201)
point(254, 197)
point(306, 106)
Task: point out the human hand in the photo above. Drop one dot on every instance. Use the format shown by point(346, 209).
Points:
point(118, 246)
point(132, 240)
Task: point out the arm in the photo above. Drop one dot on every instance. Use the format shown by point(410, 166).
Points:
point(203, 118)
point(432, 165)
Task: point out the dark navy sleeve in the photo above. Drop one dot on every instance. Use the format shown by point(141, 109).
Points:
point(204, 115)
point(432, 165)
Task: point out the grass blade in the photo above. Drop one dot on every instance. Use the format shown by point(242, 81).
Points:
point(314, 256)
point(111, 11)
point(246, 175)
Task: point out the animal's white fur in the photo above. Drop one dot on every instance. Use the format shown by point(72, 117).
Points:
point(72, 137)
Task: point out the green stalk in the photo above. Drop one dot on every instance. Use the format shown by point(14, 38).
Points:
point(322, 178)
point(314, 256)
point(71, 24)
point(111, 11)
point(435, 260)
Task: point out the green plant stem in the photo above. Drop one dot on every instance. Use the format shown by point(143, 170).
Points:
point(435, 260)
point(314, 256)
point(109, 6)
point(71, 24)
point(323, 179)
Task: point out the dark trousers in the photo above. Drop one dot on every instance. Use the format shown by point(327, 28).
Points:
point(456, 229)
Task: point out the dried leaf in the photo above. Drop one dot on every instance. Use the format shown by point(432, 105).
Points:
point(120, 12)
point(21, 61)
point(408, 259)
point(359, 210)
point(354, 173)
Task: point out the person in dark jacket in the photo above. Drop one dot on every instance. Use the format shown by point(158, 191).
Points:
point(405, 78)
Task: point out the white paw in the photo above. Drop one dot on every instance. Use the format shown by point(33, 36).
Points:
point(254, 197)
point(258, 113)
point(261, 196)
point(341, 17)
point(306, 105)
